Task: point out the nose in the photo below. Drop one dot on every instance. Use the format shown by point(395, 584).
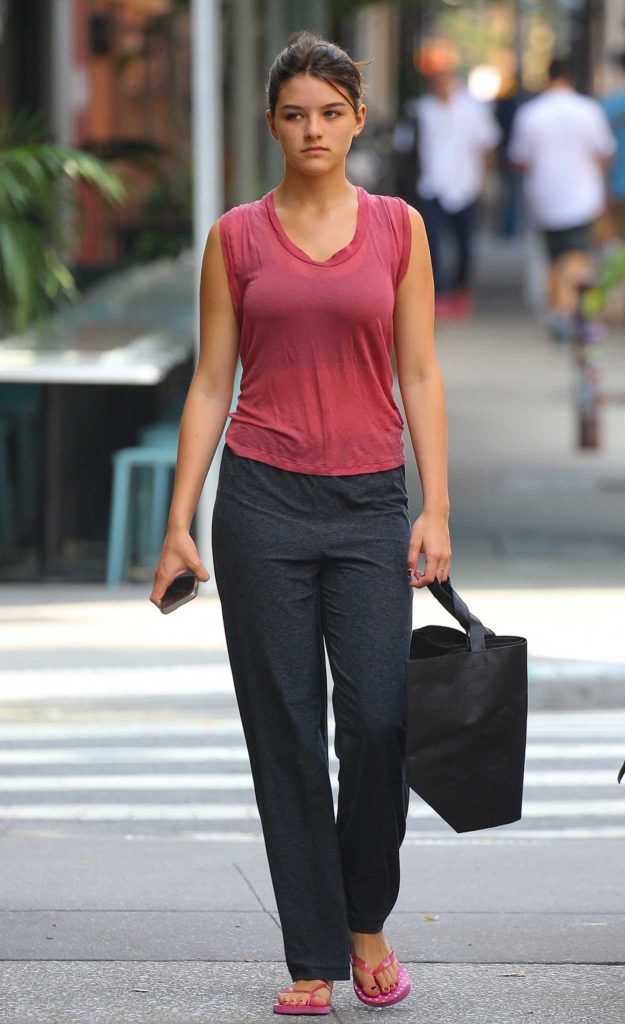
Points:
point(313, 127)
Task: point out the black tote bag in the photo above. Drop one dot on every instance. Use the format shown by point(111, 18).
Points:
point(466, 718)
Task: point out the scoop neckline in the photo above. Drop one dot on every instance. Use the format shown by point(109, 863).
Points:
point(341, 254)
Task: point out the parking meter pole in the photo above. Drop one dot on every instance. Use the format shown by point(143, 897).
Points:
point(588, 332)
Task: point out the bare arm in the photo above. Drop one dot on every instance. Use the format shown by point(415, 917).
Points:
point(203, 418)
point(421, 387)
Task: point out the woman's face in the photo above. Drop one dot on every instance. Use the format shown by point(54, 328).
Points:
point(314, 123)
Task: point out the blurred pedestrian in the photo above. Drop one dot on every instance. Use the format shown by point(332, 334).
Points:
point(510, 213)
point(456, 134)
point(314, 285)
point(614, 105)
point(561, 141)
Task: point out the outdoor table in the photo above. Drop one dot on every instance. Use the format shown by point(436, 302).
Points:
point(83, 352)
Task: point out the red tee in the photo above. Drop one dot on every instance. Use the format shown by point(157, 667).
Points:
point(315, 340)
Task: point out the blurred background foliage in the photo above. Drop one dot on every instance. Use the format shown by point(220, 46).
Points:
point(36, 222)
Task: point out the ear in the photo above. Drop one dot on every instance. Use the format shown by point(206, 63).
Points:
point(361, 117)
point(269, 120)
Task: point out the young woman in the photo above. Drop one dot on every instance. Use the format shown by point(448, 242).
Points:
point(313, 285)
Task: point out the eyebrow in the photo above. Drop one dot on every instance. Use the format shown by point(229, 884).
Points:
point(295, 106)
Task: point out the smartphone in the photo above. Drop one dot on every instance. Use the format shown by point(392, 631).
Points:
point(181, 589)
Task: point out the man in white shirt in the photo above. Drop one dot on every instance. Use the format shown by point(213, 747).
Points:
point(455, 133)
point(562, 142)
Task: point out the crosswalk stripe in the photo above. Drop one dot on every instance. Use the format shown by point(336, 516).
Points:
point(236, 780)
point(512, 834)
point(247, 812)
point(74, 731)
point(224, 726)
point(585, 726)
point(111, 681)
point(152, 782)
point(131, 755)
point(122, 755)
point(504, 836)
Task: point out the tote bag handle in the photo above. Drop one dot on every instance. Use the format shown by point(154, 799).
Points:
point(453, 603)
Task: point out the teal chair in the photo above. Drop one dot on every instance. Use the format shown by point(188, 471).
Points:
point(158, 434)
point(19, 408)
point(161, 432)
point(6, 517)
point(131, 512)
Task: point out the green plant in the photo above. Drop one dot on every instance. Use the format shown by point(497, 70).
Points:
point(166, 224)
point(35, 229)
point(610, 275)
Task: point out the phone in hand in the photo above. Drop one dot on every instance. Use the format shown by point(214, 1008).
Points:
point(181, 590)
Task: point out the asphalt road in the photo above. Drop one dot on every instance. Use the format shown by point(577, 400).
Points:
point(148, 766)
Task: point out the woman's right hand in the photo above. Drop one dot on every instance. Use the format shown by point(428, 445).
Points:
point(178, 554)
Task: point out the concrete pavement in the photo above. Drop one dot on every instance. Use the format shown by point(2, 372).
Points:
point(167, 930)
point(169, 921)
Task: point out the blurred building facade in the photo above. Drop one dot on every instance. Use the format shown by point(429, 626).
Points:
point(119, 77)
point(115, 76)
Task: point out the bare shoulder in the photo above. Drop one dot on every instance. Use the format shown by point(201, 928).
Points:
point(416, 219)
point(213, 249)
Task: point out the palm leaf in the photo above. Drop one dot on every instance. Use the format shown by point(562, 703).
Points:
point(33, 228)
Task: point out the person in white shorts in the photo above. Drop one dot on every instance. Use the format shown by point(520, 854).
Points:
point(562, 142)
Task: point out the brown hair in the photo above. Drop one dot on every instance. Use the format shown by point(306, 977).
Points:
point(306, 53)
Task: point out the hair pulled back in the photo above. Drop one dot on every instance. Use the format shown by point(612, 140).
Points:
point(306, 53)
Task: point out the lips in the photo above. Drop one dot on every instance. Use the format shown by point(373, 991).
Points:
point(316, 149)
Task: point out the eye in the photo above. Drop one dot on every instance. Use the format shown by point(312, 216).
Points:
point(290, 116)
point(335, 112)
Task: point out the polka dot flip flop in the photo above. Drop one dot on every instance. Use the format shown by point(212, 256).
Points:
point(399, 991)
point(303, 1007)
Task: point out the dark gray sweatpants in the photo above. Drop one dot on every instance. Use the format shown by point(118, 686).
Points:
point(299, 558)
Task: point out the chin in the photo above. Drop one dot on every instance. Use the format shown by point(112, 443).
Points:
point(314, 165)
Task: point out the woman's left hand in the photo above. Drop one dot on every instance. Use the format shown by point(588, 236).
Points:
point(430, 536)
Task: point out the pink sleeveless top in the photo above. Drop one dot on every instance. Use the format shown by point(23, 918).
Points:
point(315, 340)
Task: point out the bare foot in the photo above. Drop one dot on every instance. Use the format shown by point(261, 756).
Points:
point(321, 998)
point(372, 948)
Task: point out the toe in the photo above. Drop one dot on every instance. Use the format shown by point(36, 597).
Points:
point(388, 979)
point(385, 981)
point(370, 987)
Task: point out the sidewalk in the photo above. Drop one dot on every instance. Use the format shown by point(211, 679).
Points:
point(102, 925)
point(536, 523)
point(171, 931)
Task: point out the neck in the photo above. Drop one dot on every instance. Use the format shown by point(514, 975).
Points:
point(321, 191)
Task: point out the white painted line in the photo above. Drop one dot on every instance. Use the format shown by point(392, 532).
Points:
point(123, 755)
point(58, 783)
point(514, 835)
point(574, 751)
point(130, 681)
point(432, 837)
point(238, 753)
point(116, 730)
point(579, 779)
point(246, 812)
point(561, 809)
point(130, 812)
point(226, 726)
point(243, 780)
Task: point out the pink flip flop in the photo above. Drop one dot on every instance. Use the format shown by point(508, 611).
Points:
point(399, 991)
point(303, 1007)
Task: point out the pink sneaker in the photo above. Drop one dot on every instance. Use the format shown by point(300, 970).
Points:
point(461, 305)
point(399, 991)
point(444, 307)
